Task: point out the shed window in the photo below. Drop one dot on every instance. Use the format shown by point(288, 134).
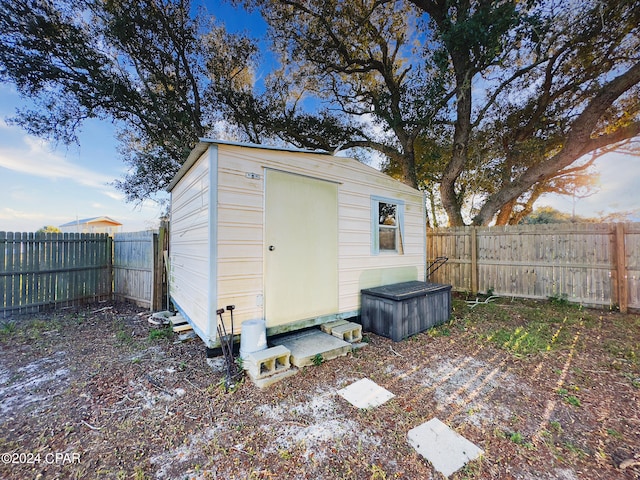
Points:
point(387, 221)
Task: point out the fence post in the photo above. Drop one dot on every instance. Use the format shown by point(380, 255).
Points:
point(110, 256)
point(474, 259)
point(621, 268)
point(156, 294)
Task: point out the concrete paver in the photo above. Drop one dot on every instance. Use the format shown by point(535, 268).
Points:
point(365, 393)
point(447, 450)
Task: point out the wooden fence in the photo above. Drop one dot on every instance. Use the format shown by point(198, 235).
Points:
point(138, 271)
point(40, 270)
point(592, 264)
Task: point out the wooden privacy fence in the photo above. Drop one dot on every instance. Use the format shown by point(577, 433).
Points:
point(592, 264)
point(138, 271)
point(39, 270)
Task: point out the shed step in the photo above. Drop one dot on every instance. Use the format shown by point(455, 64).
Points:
point(348, 331)
point(310, 346)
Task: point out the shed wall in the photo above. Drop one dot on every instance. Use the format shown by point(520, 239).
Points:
point(241, 249)
point(189, 246)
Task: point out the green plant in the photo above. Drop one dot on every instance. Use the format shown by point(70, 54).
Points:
point(570, 399)
point(317, 359)
point(614, 433)
point(160, 333)
point(377, 473)
point(139, 474)
point(523, 340)
point(284, 454)
point(559, 300)
point(575, 449)
point(8, 328)
point(517, 438)
point(440, 330)
point(240, 362)
point(124, 336)
point(573, 400)
point(556, 426)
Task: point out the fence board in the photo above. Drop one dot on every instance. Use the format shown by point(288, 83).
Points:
point(540, 261)
point(40, 270)
point(133, 267)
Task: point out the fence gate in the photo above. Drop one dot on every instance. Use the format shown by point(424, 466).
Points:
point(138, 270)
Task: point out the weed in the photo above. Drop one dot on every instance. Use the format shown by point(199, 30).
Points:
point(517, 438)
point(570, 399)
point(8, 328)
point(139, 474)
point(317, 359)
point(575, 449)
point(558, 300)
point(124, 336)
point(523, 341)
point(377, 473)
point(160, 333)
point(556, 426)
point(284, 454)
point(440, 330)
point(228, 388)
point(240, 362)
point(182, 366)
point(614, 433)
point(472, 469)
point(122, 332)
point(573, 400)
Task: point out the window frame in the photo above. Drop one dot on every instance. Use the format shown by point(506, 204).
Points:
point(375, 225)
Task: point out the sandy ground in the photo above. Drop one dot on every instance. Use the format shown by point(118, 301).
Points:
point(88, 394)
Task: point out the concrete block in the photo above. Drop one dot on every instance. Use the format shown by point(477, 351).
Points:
point(349, 332)
point(446, 449)
point(267, 362)
point(327, 327)
point(270, 380)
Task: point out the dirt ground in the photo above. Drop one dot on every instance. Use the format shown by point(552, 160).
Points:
point(548, 391)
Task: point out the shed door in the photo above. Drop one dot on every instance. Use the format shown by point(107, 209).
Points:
point(301, 248)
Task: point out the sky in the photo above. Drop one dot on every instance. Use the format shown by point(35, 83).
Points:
point(47, 184)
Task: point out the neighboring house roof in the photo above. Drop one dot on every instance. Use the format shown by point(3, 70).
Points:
point(92, 220)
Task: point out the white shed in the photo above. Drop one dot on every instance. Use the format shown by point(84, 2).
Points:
point(287, 236)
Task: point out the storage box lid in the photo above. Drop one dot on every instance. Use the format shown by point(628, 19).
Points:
point(401, 291)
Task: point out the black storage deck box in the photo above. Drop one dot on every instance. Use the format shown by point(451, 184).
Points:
point(403, 309)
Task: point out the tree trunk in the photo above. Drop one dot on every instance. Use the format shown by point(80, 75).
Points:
point(505, 213)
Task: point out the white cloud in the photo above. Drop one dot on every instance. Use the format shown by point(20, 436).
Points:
point(12, 214)
point(36, 158)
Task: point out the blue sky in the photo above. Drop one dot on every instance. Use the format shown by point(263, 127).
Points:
point(47, 184)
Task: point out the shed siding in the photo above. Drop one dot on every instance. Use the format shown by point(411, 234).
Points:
point(189, 246)
point(241, 219)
